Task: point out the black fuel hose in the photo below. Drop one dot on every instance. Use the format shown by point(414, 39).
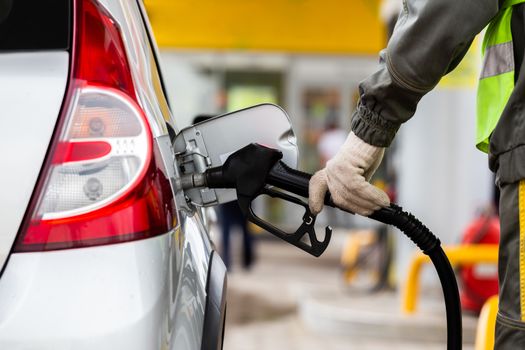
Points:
point(296, 181)
point(431, 246)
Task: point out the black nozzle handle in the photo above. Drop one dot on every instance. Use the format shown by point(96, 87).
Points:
point(294, 181)
point(291, 180)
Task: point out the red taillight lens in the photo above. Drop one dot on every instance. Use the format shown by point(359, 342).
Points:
point(99, 44)
point(101, 183)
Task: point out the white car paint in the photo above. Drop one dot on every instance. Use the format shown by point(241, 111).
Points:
point(32, 87)
point(107, 297)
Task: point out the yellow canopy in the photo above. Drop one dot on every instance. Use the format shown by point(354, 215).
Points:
point(301, 26)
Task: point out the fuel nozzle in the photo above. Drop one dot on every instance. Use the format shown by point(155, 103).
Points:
point(257, 170)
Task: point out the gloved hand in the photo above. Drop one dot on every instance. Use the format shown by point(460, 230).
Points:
point(346, 176)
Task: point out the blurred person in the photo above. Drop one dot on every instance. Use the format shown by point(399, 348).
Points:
point(330, 141)
point(332, 138)
point(428, 41)
point(231, 216)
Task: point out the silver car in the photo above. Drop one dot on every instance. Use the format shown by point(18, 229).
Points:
point(100, 248)
point(94, 250)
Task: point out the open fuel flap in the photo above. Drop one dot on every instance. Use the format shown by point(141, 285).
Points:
point(208, 144)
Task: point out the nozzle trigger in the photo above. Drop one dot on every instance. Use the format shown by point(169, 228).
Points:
point(316, 246)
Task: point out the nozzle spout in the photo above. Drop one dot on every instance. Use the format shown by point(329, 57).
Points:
point(191, 181)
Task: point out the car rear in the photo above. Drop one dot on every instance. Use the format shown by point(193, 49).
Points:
point(93, 252)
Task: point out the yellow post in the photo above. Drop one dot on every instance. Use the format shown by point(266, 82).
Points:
point(458, 255)
point(356, 241)
point(411, 291)
point(487, 325)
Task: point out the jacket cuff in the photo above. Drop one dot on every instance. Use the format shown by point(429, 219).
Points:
point(371, 128)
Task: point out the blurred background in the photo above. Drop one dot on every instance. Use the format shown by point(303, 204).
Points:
point(308, 56)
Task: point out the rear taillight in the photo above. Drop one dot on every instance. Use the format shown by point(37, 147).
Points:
point(101, 182)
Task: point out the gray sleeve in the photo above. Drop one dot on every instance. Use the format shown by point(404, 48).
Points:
point(429, 40)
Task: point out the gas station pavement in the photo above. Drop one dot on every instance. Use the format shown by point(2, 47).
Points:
point(290, 300)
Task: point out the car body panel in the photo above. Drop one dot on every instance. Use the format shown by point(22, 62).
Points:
point(147, 294)
point(189, 301)
point(107, 297)
point(32, 87)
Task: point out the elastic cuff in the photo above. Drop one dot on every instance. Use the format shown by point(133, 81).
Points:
point(371, 128)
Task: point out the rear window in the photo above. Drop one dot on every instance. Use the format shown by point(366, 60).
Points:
point(34, 24)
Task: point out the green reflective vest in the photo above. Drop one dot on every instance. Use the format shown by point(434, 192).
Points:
point(496, 81)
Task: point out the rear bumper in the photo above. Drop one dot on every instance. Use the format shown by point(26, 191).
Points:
point(110, 297)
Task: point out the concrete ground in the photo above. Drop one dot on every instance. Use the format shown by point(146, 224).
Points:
point(290, 300)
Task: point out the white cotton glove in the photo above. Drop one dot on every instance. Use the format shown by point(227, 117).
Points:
point(346, 177)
